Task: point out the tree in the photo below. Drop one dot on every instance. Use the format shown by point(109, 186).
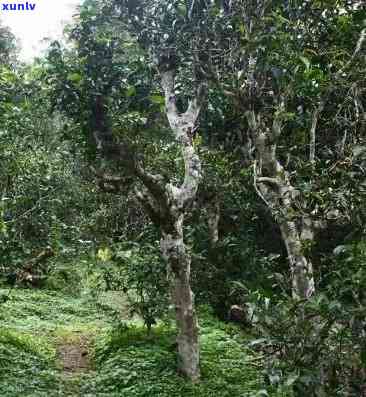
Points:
point(8, 47)
point(167, 203)
point(119, 155)
point(259, 59)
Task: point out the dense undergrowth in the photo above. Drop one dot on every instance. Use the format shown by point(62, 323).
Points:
point(125, 359)
point(32, 325)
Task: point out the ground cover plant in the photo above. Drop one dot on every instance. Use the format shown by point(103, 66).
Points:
point(123, 358)
point(182, 202)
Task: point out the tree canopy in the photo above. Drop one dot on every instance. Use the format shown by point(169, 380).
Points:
point(194, 154)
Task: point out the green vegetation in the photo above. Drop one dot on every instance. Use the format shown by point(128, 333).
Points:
point(182, 202)
point(33, 325)
point(126, 360)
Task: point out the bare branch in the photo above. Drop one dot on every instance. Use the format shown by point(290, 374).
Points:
point(148, 202)
point(357, 50)
point(154, 183)
point(314, 124)
point(271, 181)
point(256, 186)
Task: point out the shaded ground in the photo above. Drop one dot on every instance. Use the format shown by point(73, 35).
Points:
point(65, 346)
point(46, 342)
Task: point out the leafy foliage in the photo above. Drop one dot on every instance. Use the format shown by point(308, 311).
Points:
point(300, 63)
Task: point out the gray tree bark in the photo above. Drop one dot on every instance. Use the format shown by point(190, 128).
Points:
point(167, 206)
point(213, 218)
point(314, 122)
point(303, 286)
point(176, 254)
point(172, 243)
point(273, 185)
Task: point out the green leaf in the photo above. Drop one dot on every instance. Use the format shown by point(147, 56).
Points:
point(104, 254)
point(74, 77)
point(157, 99)
point(131, 91)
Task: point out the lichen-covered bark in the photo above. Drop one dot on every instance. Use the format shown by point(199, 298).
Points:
point(173, 247)
point(301, 268)
point(166, 205)
point(273, 185)
point(176, 254)
point(314, 123)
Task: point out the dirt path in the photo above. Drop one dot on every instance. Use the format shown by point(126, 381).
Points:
point(74, 357)
point(52, 337)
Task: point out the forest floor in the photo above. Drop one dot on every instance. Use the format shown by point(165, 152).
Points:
point(52, 344)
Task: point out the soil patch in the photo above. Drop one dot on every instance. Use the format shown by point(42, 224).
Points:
point(74, 356)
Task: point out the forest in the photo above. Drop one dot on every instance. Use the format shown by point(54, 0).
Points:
point(182, 202)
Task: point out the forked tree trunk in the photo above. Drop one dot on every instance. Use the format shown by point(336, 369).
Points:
point(180, 200)
point(167, 205)
point(273, 185)
point(179, 260)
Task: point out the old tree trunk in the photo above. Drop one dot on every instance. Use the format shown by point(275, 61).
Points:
point(166, 205)
point(273, 185)
point(179, 260)
point(173, 247)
